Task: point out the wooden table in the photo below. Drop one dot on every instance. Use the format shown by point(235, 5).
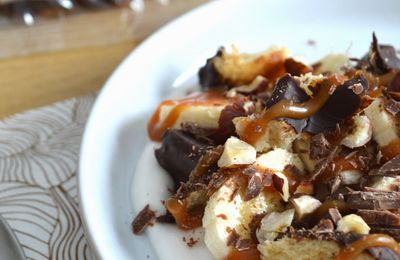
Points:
point(45, 77)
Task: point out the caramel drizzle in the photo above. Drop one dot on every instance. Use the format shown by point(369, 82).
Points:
point(356, 248)
point(156, 128)
point(255, 129)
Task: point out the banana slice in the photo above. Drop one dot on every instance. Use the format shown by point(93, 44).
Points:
point(361, 133)
point(223, 214)
point(278, 159)
point(204, 116)
point(278, 134)
point(384, 128)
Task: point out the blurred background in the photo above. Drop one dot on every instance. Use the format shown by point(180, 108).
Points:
point(51, 50)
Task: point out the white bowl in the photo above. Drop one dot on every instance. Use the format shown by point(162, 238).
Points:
point(115, 135)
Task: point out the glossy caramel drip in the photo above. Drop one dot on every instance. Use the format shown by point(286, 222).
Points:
point(376, 240)
point(249, 254)
point(255, 129)
point(180, 212)
point(156, 128)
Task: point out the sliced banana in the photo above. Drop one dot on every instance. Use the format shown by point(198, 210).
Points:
point(361, 133)
point(278, 134)
point(384, 128)
point(204, 116)
point(223, 214)
point(278, 159)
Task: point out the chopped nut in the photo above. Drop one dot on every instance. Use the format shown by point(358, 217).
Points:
point(281, 184)
point(236, 152)
point(353, 223)
point(305, 204)
point(273, 224)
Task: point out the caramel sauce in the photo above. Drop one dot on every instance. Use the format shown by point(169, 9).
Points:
point(255, 129)
point(391, 150)
point(249, 254)
point(184, 220)
point(376, 240)
point(156, 128)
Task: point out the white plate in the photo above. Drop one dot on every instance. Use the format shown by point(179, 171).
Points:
point(116, 134)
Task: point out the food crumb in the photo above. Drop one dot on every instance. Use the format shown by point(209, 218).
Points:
point(190, 242)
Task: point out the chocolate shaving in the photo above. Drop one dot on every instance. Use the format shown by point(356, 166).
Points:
point(335, 184)
point(324, 226)
point(254, 186)
point(217, 180)
point(324, 164)
point(373, 200)
point(392, 106)
point(334, 215)
point(382, 58)
point(394, 87)
point(379, 217)
point(296, 68)
point(145, 218)
point(238, 243)
point(319, 147)
point(206, 163)
point(209, 77)
point(390, 168)
point(383, 253)
point(255, 224)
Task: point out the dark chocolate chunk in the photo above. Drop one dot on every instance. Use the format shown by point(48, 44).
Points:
point(334, 215)
point(145, 218)
point(392, 106)
point(226, 128)
point(342, 104)
point(178, 144)
point(379, 217)
point(373, 200)
point(254, 186)
point(391, 231)
point(296, 68)
point(288, 88)
point(209, 77)
point(390, 168)
point(319, 147)
point(383, 58)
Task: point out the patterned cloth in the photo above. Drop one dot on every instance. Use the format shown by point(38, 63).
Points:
point(39, 152)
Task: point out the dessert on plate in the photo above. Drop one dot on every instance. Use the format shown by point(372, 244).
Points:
point(278, 159)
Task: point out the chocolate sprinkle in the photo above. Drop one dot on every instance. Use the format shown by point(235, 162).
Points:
point(390, 168)
point(143, 219)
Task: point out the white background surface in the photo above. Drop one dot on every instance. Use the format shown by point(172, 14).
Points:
point(116, 134)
